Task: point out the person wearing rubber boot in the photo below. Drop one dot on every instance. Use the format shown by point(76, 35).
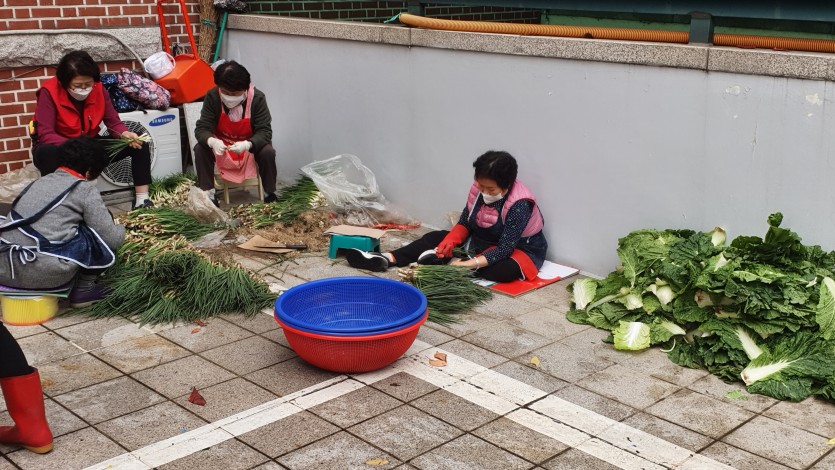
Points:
point(21, 385)
point(59, 231)
point(235, 132)
point(501, 226)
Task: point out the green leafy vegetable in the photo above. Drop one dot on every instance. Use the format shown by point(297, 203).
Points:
point(631, 336)
point(662, 330)
point(757, 309)
point(736, 395)
point(791, 369)
point(584, 290)
point(826, 309)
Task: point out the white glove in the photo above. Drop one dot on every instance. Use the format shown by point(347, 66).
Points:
point(216, 145)
point(240, 147)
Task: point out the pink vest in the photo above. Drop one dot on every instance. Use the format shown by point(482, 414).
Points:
point(487, 216)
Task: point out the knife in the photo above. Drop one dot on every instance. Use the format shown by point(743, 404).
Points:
point(286, 247)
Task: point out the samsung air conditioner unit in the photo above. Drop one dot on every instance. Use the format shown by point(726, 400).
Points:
point(164, 129)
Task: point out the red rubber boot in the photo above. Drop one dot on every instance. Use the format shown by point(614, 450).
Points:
point(24, 399)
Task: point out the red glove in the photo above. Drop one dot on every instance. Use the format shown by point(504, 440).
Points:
point(455, 237)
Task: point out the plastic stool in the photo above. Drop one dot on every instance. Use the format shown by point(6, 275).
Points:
point(28, 310)
point(223, 185)
point(352, 241)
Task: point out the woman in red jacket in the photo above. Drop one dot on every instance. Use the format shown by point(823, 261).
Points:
point(74, 103)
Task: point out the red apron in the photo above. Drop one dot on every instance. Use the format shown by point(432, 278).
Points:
point(234, 167)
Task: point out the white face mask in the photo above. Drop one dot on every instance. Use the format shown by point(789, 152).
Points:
point(80, 94)
point(490, 199)
point(232, 101)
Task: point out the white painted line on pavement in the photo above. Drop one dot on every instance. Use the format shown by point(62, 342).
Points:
point(577, 427)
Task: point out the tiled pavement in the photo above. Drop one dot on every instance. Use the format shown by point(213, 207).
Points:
point(112, 387)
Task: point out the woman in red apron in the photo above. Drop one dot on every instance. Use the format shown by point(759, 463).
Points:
point(234, 132)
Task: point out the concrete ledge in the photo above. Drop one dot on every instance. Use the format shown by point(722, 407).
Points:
point(665, 55)
point(45, 48)
point(365, 32)
point(805, 65)
point(811, 66)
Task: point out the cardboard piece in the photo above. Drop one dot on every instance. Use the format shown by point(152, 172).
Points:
point(356, 231)
point(549, 274)
point(255, 243)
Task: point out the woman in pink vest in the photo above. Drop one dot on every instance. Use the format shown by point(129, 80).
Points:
point(501, 225)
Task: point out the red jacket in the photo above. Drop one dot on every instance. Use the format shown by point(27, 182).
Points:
point(68, 123)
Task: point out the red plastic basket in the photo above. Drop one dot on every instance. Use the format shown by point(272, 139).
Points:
point(351, 354)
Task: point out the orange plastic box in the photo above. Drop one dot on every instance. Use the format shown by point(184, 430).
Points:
point(191, 77)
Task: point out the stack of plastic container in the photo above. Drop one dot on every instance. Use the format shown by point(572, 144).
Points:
point(351, 324)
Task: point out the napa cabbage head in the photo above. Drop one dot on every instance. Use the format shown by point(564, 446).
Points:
point(583, 291)
point(631, 336)
point(663, 291)
point(825, 315)
point(662, 330)
point(790, 369)
point(717, 236)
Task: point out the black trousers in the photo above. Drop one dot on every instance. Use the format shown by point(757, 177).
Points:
point(204, 165)
point(505, 270)
point(12, 361)
point(45, 158)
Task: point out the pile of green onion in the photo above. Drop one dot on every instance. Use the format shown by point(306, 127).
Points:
point(292, 201)
point(449, 290)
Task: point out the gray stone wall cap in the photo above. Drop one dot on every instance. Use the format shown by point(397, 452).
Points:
point(41, 48)
point(805, 65)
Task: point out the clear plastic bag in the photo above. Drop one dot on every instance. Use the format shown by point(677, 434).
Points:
point(351, 190)
point(159, 64)
point(13, 182)
point(203, 209)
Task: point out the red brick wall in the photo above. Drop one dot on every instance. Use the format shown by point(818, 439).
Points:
point(18, 85)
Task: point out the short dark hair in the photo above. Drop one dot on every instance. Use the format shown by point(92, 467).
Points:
point(76, 64)
point(499, 166)
point(232, 76)
point(84, 155)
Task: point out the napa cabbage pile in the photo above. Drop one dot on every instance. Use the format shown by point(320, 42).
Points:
point(760, 309)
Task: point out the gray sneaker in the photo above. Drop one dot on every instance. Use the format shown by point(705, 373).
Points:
point(146, 204)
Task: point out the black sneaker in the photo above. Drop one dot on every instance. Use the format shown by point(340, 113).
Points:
point(368, 260)
point(80, 299)
point(429, 257)
point(216, 202)
point(270, 197)
point(146, 204)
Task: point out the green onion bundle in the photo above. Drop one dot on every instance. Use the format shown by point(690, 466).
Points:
point(140, 247)
point(168, 286)
point(164, 222)
point(172, 190)
point(302, 196)
point(448, 290)
point(114, 146)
